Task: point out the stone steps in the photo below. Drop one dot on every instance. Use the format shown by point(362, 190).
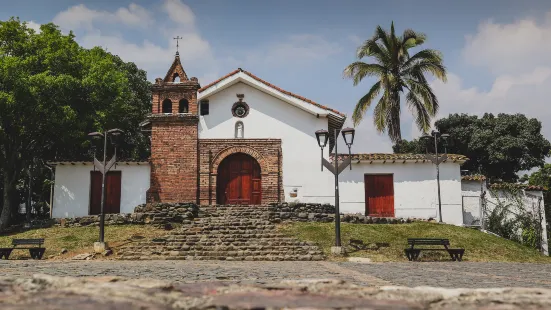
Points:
point(307, 248)
point(225, 233)
point(242, 258)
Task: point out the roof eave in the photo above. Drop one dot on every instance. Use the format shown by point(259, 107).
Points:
point(240, 76)
point(86, 163)
point(402, 161)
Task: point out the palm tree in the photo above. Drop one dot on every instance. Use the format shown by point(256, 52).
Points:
point(397, 72)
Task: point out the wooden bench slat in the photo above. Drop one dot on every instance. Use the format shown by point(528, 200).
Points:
point(17, 242)
point(36, 252)
point(428, 241)
point(27, 241)
point(412, 253)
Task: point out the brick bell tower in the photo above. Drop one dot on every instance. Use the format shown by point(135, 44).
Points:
point(174, 137)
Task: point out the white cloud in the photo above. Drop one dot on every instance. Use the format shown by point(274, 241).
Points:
point(525, 93)
point(35, 26)
point(99, 28)
point(367, 139)
point(134, 15)
point(506, 48)
point(179, 12)
point(295, 49)
point(517, 54)
point(155, 58)
point(80, 16)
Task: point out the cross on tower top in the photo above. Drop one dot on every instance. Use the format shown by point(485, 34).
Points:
point(177, 43)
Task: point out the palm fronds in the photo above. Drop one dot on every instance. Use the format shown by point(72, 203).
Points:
point(397, 72)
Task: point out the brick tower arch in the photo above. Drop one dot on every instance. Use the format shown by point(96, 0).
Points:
point(220, 156)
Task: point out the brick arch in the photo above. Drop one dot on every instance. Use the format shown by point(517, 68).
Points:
point(218, 158)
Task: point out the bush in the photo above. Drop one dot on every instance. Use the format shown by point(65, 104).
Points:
point(513, 219)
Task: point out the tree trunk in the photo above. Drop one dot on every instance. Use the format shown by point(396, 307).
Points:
point(7, 198)
point(29, 197)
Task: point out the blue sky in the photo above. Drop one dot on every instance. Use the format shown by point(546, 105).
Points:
point(496, 52)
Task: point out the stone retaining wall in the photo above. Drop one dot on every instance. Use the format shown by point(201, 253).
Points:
point(162, 213)
point(152, 213)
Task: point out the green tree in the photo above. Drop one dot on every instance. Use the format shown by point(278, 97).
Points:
point(52, 93)
point(409, 147)
point(499, 147)
point(397, 73)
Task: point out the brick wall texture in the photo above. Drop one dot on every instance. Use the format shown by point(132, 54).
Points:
point(267, 153)
point(173, 159)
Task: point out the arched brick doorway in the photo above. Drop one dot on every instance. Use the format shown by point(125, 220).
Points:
point(238, 180)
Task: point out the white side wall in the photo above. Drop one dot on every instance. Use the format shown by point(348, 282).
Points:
point(72, 188)
point(530, 201)
point(415, 189)
point(270, 117)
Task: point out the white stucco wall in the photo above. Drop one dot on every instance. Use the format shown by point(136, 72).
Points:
point(415, 189)
point(530, 200)
point(270, 117)
point(72, 188)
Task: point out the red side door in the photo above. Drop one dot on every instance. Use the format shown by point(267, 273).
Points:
point(379, 195)
point(113, 183)
point(113, 192)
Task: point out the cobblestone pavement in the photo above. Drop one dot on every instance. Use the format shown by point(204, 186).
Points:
point(438, 274)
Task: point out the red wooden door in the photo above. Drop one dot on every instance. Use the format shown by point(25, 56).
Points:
point(113, 192)
point(379, 195)
point(95, 192)
point(238, 180)
point(113, 197)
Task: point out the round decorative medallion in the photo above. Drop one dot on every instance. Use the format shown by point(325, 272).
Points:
point(240, 109)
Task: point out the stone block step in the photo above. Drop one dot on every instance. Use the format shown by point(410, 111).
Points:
point(225, 233)
point(229, 248)
point(247, 258)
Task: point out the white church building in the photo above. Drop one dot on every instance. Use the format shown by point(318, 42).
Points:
point(242, 140)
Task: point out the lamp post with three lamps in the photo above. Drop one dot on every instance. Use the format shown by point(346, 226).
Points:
point(435, 159)
point(104, 168)
point(322, 137)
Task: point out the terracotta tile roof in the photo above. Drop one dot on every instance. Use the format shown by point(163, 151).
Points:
point(525, 187)
point(272, 86)
point(474, 177)
point(395, 157)
point(202, 89)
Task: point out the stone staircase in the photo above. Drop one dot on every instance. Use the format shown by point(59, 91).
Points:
point(225, 233)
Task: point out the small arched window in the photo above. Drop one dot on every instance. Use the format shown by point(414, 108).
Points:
point(176, 78)
point(167, 106)
point(239, 130)
point(183, 106)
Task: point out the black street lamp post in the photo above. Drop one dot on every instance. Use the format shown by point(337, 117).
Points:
point(104, 168)
point(322, 137)
point(435, 159)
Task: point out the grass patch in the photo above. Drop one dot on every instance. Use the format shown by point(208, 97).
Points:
point(479, 247)
point(78, 239)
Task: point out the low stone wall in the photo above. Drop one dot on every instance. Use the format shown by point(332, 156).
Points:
point(163, 213)
point(153, 213)
point(298, 212)
point(304, 207)
point(159, 213)
point(93, 220)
